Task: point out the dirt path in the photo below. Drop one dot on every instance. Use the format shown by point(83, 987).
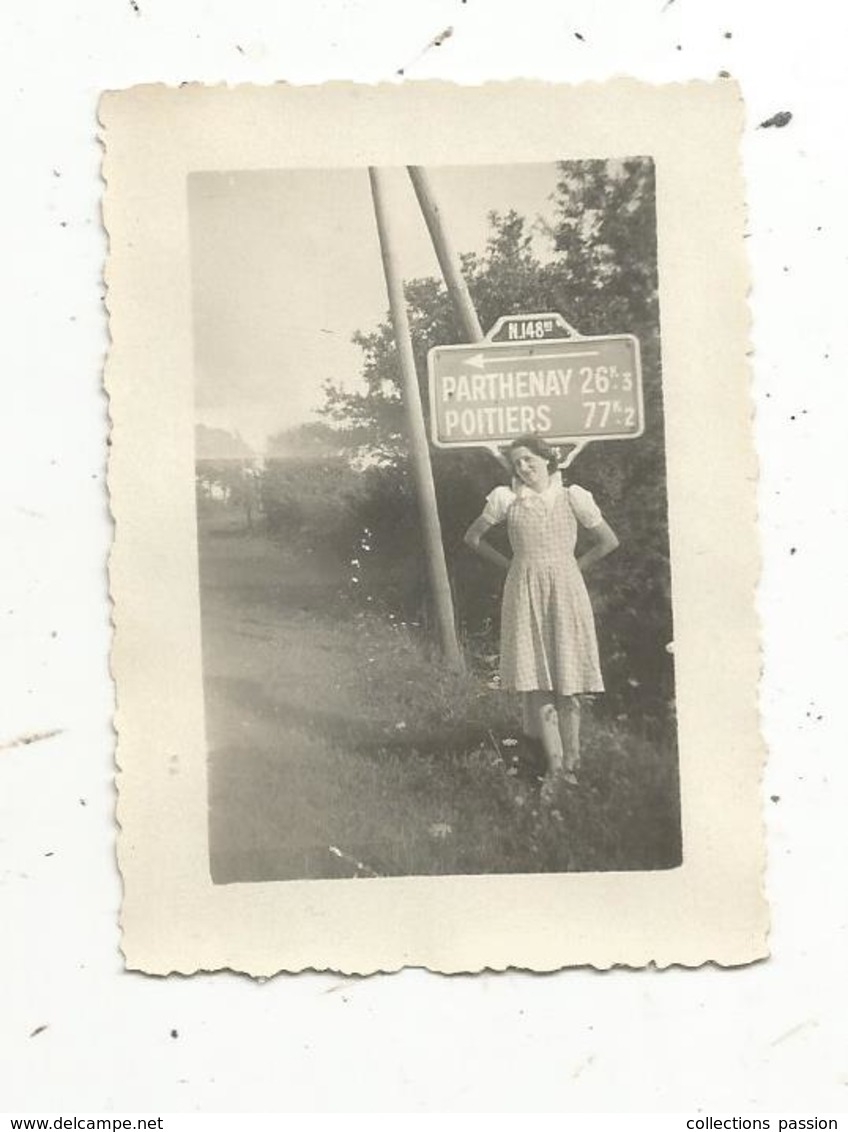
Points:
point(321, 737)
point(279, 703)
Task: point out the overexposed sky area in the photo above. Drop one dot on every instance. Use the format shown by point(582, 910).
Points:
point(286, 266)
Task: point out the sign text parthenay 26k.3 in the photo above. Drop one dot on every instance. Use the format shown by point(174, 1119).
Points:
point(522, 380)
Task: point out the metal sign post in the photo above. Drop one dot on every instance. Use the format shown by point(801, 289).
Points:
point(425, 488)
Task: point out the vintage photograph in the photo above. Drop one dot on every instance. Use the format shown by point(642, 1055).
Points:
point(435, 527)
point(432, 522)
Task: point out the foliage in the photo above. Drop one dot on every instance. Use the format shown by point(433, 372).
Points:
point(224, 468)
point(313, 440)
point(314, 500)
point(220, 445)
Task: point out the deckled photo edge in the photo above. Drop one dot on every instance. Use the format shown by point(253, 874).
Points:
point(133, 775)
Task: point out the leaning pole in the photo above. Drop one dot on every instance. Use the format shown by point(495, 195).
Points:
point(445, 253)
point(450, 264)
point(425, 488)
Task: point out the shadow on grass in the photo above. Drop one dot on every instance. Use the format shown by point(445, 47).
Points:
point(368, 734)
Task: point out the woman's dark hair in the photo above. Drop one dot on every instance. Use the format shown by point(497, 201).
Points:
point(538, 446)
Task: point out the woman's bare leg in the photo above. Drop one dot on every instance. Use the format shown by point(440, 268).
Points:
point(541, 713)
point(568, 714)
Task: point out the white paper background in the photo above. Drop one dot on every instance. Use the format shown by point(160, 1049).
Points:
point(768, 1037)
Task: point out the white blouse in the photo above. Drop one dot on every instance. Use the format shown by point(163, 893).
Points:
point(586, 510)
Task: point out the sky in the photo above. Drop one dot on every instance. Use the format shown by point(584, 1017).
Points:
point(286, 267)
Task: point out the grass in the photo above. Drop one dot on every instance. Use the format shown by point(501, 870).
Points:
point(340, 746)
point(464, 787)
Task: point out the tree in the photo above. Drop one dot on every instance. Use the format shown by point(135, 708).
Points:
point(221, 460)
point(309, 493)
point(314, 439)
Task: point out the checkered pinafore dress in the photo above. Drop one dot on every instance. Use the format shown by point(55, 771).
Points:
point(548, 640)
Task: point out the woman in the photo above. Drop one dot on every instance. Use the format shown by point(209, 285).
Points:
point(549, 652)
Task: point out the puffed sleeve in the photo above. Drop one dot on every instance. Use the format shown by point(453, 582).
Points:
point(498, 502)
point(586, 510)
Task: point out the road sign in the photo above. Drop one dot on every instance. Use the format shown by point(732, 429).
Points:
point(568, 390)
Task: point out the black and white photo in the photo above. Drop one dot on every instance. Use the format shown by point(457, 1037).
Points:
point(434, 491)
point(346, 736)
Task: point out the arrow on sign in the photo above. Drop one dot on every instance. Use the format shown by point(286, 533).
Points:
point(478, 361)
